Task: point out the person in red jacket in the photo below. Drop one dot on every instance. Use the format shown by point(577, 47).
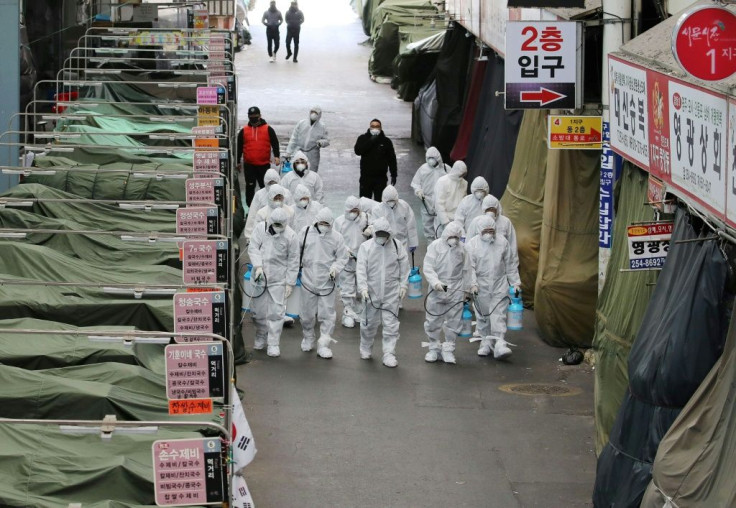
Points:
point(256, 141)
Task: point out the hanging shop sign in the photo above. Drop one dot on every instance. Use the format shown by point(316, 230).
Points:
point(199, 313)
point(704, 42)
point(206, 190)
point(731, 165)
point(543, 65)
point(605, 191)
point(189, 472)
point(657, 195)
point(579, 132)
point(628, 110)
point(197, 220)
point(195, 371)
point(210, 95)
point(210, 162)
point(205, 262)
point(649, 244)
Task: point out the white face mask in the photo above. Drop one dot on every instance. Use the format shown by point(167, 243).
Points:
point(488, 237)
point(300, 166)
point(303, 203)
point(479, 195)
point(391, 204)
point(276, 203)
point(492, 213)
point(352, 215)
point(432, 162)
point(313, 117)
point(453, 242)
point(375, 132)
point(382, 240)
point(324, 228)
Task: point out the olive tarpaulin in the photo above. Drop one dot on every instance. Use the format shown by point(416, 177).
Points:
point(680, 339)
point(616, 324)
point(523, 199)
point(567, 282)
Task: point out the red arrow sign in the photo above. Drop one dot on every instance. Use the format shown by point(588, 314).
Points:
point(543, 96)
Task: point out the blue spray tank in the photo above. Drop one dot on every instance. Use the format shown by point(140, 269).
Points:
point(466, 324)
point(248, 288)
point(415, 284)
point(286, 167)
point(515, 313)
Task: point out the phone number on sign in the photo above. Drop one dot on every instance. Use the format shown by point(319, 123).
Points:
point(636, 264)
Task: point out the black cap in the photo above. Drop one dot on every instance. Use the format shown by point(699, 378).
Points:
point(253, 110)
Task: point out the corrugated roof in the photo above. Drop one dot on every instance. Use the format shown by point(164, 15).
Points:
point(653, 49)
point(579, 12)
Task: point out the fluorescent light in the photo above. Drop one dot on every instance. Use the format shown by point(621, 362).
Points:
point(12, 235)
point(152, 239)
point(138, 293)
point(4, 203)
point(148, 206)
point(27, 172)
point(58, 135)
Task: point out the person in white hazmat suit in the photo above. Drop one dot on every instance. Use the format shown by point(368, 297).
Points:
point(260, 199)
point(276, 198)
point(309, 136)
point(449, 190)
point(305, 210)
point(495, 271)
point(352, 225)
point(449, 273)
point(423, 184)
point(382, 273)
point(323, 256)
point(400, 217)
point(274, 253)
point(492, 206)
point(301, 174)
point(471, 205)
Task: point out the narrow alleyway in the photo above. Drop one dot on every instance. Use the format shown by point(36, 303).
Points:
point(352, 433)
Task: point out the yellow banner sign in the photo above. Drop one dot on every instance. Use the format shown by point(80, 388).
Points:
point(577, 132)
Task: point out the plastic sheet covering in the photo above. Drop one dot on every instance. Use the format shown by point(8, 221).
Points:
point(415, 63)
point(524, 196)
point(147, 89)
point(616, 323)
point(423, 114)
point(44, 351)
point(110, 117)
point(93, 216)
point(680, 339)
point(567, 282)
point(94, 135)
point(494, 132)
point(44, 468)
point(696, 459)
point(96, 248)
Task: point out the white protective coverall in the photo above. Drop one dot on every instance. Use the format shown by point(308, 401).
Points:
point(264, 212)
point(400, 217)
point(276, 255)
point(304, 216)
point(504, 227)
point(495, 272)
point(423, 184)
point(308, 178)
point(446, 265)
point(323, 256)
point(382, 273)
point(448, 192)
point(471, 205)
point(309, 137)
point(351, 225)
point(260, 199)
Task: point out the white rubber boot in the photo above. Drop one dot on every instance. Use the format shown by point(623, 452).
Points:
point(448, 352)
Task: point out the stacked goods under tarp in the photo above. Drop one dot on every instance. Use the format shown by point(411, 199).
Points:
point(414, 64)
point(695, 461)
point(567, 282)
point(680, 339)
point(423, 114)
point(621, 304)
point(523, 200)
point(494, 132)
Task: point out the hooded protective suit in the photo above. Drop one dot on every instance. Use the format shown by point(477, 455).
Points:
point(304, 216)
point(447, 265)
point(495, 272)
point(351, 228)
point(265, 212)
point(277, 255)
point(400, 218)
point(309, 179)
point(423, 184)
point(309, 137)
point(382, 271)
point(448, 192)
point(471, 206)
point(323, 256)
point(504, 227)
point(260, 199)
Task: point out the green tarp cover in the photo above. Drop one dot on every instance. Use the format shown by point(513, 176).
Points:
point(523, 199)
point(107, 116)
point(43, 468)
point(567, 283)
point(97, 248)
point(43, 351)
point(621, 304)
point(45, 264)
point(123, 108)
point(93, 216)
point(393, 38)
point(119, 88)
point(401, 12)
point(92, 135)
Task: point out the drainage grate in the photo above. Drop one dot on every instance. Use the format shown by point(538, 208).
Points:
point(540, 389)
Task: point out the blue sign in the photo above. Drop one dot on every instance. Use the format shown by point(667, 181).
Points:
point(605, 209)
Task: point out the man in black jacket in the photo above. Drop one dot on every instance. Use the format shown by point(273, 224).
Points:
point(294, 20)
point(272, 18)
point(377, 157)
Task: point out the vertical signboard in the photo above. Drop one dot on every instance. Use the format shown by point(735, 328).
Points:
point(188, 472)
point(195, 371)
point(629, 111)
point(197, 313)
point(659, 125)
point(731, 165)
point(204, 262)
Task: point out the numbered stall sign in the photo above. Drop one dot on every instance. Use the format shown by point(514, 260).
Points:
point(197, 220)
point(205, 262)
point(206, 190)
point(580, 132)
point(189, 472)
point(649, 245)
point(543, 65)
point(195, 371)
point(199, 312)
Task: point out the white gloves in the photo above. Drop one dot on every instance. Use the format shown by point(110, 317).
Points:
point(517, 288)
point(323, 143)
point(365, 295)
point(333, 273)
point(402, 293)
point(419, 193)
point(439, 287)
point(474, 290)
point(257, 273)
point(368, 231)
point(289, 290)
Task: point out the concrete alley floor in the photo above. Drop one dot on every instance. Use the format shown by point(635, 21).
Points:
point(352, 433)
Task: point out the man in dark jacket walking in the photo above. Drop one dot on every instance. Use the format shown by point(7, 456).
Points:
point(256, 141)
point(377, 157)
point(294, 20)
point(273, 19)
